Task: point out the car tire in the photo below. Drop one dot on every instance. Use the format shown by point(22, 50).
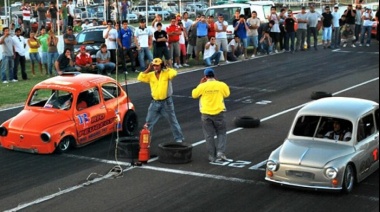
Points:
point(348, 179)
point(130, 123)
point(64, 145)
point(320, 94)
point(174, 152)
point(246, 122)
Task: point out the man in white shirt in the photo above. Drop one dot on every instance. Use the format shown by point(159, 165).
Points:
point(211, 53)
point(70, 13)
point(86, 24)
point(367, 27)
point(143, 41)
point(19, 44)
point(234, 49)
point(312, 20)
point(221, 34)
point(335, 40)
point(110, 35)
point(253, 35)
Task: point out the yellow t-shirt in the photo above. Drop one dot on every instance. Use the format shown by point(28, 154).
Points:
point(160, 88)
point(33, 50)
point(211, 94)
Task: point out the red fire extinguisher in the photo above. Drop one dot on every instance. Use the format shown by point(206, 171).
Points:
point(144, 153)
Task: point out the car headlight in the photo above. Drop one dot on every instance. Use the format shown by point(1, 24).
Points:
point(3, 131)
point(272, 165)
point(331, 172)
point(45, 137)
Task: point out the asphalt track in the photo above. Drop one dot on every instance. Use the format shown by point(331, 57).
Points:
point(271, 88)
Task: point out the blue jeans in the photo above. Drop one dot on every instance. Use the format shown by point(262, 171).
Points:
point(289, 36)
point(40, 24)
point(64, 27)
point(51, 57)
point(215, 56)
point(267, 48)
point(327, 31)
point(108, 67)
point(144, 53)
point(254, 40)
point(335, 40)
point(366, 29)
point(164, 108)
point(7, 62)
point(312, 31)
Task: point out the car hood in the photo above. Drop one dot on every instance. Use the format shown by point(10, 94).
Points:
point(312, 153)
point(37, 120)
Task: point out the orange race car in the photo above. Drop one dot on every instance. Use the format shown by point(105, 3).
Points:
point(70, 110)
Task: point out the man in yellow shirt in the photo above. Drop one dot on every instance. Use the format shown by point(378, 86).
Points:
point(212, 94)
point(159, 78)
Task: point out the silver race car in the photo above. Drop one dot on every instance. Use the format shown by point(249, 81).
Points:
point(332, 144)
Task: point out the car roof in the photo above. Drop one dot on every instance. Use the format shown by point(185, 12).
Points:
point(344, 107)
point(74, 82)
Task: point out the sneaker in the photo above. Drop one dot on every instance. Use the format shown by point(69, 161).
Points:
point(275, 51)
point(367, 45)
point(180, 66)
point(14, 80)
point(353, 46)
point(176, 66)
point(186, 65)
point(211, 158)
point(227, 61)
point(345, 45)
point(179, 141)
point(222, 158)
point(360, 44)
point(253, 56)
point(5, 82)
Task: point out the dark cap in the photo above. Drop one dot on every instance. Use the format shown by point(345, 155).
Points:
point(209, 72)
point(303, 8)
point(327, 8)
point(69, 28)
point(142, 20)
point(350, 5)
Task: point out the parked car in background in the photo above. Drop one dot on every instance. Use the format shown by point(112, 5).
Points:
point(64, 112)
point(141, 12)
point(92, 38)
point(332, 144)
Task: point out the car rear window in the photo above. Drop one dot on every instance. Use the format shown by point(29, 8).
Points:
point(91, 36)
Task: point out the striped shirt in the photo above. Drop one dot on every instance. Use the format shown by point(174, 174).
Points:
point(26, 13)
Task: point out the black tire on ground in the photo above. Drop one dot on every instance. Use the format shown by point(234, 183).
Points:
point(64, 145)
point(128, 147)
point(174, 152)
point(246, 122)
point(320, 94)
point(348, 179)
point(130, 123)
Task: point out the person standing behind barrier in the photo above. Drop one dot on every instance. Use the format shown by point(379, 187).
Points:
point(143, 41)
point(302, 29)
point(34, 44)
point(7, 61)
point(202, 30)
point(211, 27)
point(290, 33)
point(241, 29)
point(42, 10)
point(358, 22)
point(53, 11)
point(64, 14)
point(125, 40)
point(253, 34)
point(52, 51)
point(26, 13)
point(367, 27)
point(275, 30)
point(327, 21)
point(350, 15)
point(110, 34)
point(212, 94)
point(162, 50)
point(335, 39)
point(221, 35)
point(71, 15)
point(174, 32)
point(159, 78)
point(192, 42)
point(43, 39)
point(69, 40)
point(19, 43)
point(312, 30)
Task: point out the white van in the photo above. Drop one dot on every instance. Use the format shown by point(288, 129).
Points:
point(262, 9)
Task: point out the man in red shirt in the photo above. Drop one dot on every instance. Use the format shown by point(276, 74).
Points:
point(174, 31)
point(83, 61)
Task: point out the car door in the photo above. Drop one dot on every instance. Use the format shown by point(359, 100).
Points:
point(91, 119)
point(367, 145)
point(110, 95)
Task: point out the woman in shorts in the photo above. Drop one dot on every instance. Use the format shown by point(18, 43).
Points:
point(34, 44)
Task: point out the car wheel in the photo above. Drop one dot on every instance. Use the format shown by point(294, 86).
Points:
point(348, 179)
point(246, 122)
point(64, 145)
point(174, 152)
point(320, 94)
point(130, 123)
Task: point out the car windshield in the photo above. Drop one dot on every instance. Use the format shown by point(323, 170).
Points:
point(90, 36)
point(48, 98)
point(332, 128)
point(227, 12)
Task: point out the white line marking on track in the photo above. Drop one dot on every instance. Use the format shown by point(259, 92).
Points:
point(46, 198)
point(257, 166)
